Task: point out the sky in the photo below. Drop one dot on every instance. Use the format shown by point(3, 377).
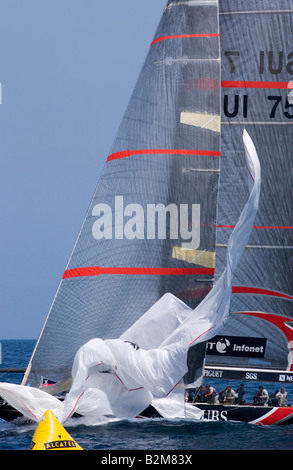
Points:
point(67, 71)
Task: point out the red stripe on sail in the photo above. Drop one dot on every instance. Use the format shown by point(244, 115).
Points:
point(203, 333)
point(254, 84)
point(184, 36)
point(203, 84)
point(98, 270)
point(260, 291)
point(129, 153)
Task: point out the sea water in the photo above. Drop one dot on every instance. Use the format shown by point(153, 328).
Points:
point(150, 434)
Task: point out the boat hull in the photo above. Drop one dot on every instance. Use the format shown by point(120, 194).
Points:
point(262, 415)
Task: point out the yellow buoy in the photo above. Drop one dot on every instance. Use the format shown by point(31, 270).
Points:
point(51, 435)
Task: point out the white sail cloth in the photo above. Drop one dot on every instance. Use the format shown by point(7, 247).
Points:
point(115, 378)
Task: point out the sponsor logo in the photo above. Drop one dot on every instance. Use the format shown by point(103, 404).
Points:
point(236, 346)
point(156, 221)
point(59, 444)
point(215, 415)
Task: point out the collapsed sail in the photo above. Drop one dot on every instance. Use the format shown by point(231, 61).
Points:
point(118, 378)
point(151, 225)
point(257, 71)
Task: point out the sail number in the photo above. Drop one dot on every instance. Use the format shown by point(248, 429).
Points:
point(272, 62)
point(238, 105)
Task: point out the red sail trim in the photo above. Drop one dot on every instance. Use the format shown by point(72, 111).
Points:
point(260, 291)
point(184, 36)
point(254, 84)
point(203, 333)
point(279, 321)
point(274, 416)
point(98, 270)
point(129, 153)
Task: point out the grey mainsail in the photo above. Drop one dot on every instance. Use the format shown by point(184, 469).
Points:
point(156, 222)
point(257, 68)
point(151, 225)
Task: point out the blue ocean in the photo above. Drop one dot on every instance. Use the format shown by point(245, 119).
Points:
point(144, 435)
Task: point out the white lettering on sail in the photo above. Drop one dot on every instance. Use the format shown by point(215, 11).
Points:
point(158, 222)
point(102, 228)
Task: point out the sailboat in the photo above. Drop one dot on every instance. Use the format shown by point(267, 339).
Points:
point(171, 194)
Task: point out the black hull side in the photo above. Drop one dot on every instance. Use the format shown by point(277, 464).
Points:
point(8, 413)
point(261, 415)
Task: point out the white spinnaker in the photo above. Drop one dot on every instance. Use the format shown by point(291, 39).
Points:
point(114, 378)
